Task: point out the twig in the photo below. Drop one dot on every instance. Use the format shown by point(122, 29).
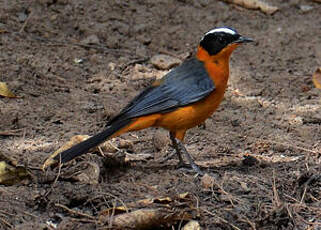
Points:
point(30, 214)
point(6, 223)
point(224, 192)
point(116, 198)
point(303, 195)
point(181, 222)
point(275, 192)
point(10, 132)
point(7, 213)
point(59, 171)
point(25, 23)
point(137, 61)
point(84, 220)
point(77, 213)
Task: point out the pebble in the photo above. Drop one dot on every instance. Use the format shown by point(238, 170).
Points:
point(164, 62)
point(111, 66)
point(305, 8)
point(192, 225)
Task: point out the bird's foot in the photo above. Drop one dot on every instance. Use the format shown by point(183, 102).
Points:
point(181, 149)
point(189, 168)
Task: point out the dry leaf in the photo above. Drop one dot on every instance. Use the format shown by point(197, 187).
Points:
point(153, 212)
point(147, 218)
point(73, 141)
point(139, 219)
point(10, 175)
point(144, 203)
point(255, 4)
point(316, 78)
point(5, 92)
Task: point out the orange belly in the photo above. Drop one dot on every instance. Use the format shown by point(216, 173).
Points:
point(192, 115)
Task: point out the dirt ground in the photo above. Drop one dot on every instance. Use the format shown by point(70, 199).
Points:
point(75, 64)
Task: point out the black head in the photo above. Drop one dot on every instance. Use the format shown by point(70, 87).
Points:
point(217, 39)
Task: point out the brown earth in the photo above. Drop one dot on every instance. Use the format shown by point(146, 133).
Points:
point(75, 64)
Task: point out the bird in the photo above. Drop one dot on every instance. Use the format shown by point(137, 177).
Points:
point(182, 99)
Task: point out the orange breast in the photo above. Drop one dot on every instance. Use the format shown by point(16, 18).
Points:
point(191, 115)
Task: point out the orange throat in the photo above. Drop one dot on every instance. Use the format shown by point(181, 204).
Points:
point(217, 65)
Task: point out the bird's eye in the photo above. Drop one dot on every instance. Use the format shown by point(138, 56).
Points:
point(220, 40)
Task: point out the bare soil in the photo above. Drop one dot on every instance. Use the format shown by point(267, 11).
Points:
point(75, 64)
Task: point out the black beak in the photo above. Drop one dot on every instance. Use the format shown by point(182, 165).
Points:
point(243, 40)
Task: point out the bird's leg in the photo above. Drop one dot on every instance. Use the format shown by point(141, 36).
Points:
point(178, 152)
point(180, 148)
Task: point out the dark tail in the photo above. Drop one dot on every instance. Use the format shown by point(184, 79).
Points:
point(83, 147)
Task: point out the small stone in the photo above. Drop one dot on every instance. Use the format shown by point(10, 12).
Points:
point(78, 60)
point(91, 39)
point(305, 8)
point(207, 181)
point(111, 66)
point(192, 225)
point(164, 62)
point(160, 140)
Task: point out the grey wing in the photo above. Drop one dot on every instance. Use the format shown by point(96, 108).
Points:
point(184, 85)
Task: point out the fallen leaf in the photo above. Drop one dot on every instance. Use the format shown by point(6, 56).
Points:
point(255, 4)
point(147, 218)
point(73, 141)
point(5, 92)
point(10, 175)
point(316, 78)
point(145, 203)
